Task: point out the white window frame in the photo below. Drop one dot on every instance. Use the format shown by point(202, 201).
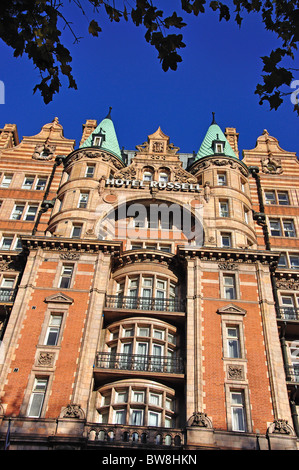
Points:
point(30, 213)
point(88, 174)
point(6, 181)
point(65, 275)
point(38, 393)
point(224, 209)
point(16, 214)
point(53, 329)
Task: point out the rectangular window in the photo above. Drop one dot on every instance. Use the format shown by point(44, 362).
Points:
point(233, 342)
point(246, 215)
point(282, 262)
point(53, 330)
point(37, 398)
point(120, 417)
point(154, 418)
point(7, 179)
point(89, 171)
point(28, 182)
point(226, 240)
point(238, 412)
point(229, 284)
point(221, 179)
point(136, 417)
point(7, 288)
point(66, 276)
point(138, 397)
point(223, 209)
point(6, 242)
point(283, 198)
point(275, 228)
point(289, 229)
point(83, 200)
point(270, 197)
point(294, 261)
point(17, 211)
point(31, 213)
point(76, 232)
point(41, 184)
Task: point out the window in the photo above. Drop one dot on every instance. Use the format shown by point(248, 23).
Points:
point(270, 197)
point(76, 232)
point(246, 215)
point(41, 184)
point(238, 411)
point(31, 213)
point(120, 417)
point(163, 177)
point(136, 417)
point(18, 244)
point(229, 284)
point(147, 176)
point(288, 227)
point(233, 342)
point(7, 289)
point(218, 148)
point(17, 211)
point(6, 180)
point(283, 198)
point(282, 262)
point(294, 261)
point(275, 228)
point(37, 398)
point(66, 276)
point(223, 209)
point(53, 330)
point(221, 179)
point(6, 242)
point(277, 197)
point(83, 200)
point(89, 171)
point(28, 182)
point(226, 240)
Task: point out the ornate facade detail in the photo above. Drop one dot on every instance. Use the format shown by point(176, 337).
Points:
point(183, 176)
point(69, 255)
point(44, 152)
point(290, 284)
point(199, 419)
point(280, 426)
point(227, 266)
point(235, 372)
point(73, 411)
point(46, 359)
point(271, 165)
point(7, 265)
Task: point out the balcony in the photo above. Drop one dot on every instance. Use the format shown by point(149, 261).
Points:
point(292, 373)
point(288, 313)
point(143, 436)
point(7, 295)
point(110, 365)
point(172, 309)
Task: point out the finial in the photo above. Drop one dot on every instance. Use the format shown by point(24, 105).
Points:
point(109, 114)
point(213, 122)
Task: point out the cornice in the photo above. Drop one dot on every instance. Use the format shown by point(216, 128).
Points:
point(94, 153)
point(63, 245)
point(219, 161)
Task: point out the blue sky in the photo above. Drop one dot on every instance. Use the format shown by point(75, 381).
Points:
point(220, 69)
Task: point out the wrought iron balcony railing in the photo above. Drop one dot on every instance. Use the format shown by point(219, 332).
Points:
point(139, 362)
point(288, 313)
point(7, 295)
point(145, 303)
point(292, 373)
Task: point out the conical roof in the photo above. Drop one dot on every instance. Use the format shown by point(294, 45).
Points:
point(108, 141)
point(214, 134)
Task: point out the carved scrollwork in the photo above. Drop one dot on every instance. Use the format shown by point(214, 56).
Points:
point(280, 426)
point(291, 284)
point(73, 411)
point(235, 372)
point(44, 152)
point(227, 266)
point(45, 359)
point(199, 419)
point(70, 255)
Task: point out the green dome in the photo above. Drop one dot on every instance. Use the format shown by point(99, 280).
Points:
point(213, 135)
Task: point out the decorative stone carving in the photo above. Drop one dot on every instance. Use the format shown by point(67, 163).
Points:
point(45, 359)
point(6, 265)
point(207, 191)
point(199, 419)
point(126, 173)
point(183, 176)
point(227, 266)
point(70, 255)
point(271, 165)
point(235, 372)
point(73, 411)
point(158, 147)
point(291, 284)
point(280, 426)
point(44, 152)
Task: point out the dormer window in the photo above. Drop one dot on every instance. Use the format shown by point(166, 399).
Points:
point(98, 139)
point(218, 145)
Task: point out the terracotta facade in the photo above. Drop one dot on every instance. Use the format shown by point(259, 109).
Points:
point(148, 299)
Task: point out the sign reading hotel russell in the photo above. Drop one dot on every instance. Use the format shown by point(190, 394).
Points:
point(153, 184)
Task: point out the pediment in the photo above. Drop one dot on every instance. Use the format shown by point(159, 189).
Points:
point(59, 298)
point(232, 309)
